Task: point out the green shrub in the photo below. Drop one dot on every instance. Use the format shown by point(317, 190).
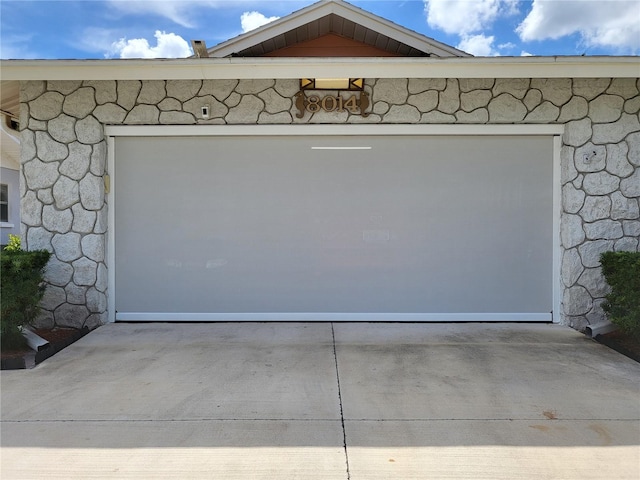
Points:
point(622, 272)
point(14, 245)
point(21, 289)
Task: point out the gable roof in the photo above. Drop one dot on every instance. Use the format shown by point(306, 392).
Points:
point(333, 17)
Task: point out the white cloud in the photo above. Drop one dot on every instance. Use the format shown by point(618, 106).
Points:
point(169, 45)
point(17, 46)
point(464, 17)
point(182, 12)
point(526, 54)
point(97, 39)
point(478, 45)
point(605, 23)
point(252, 20)
point(186, 13)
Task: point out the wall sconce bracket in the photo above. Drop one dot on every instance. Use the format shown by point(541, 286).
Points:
point(351, 84)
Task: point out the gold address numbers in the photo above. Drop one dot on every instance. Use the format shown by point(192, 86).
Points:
point(331, 103)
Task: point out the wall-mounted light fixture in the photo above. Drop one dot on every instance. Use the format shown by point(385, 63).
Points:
point(354, 84)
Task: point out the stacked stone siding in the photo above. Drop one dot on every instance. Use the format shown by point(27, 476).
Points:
point(64, 154)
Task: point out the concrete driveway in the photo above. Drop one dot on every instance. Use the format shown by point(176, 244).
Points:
point(325, 401)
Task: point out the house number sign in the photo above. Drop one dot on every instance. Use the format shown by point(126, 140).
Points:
point(332, 103)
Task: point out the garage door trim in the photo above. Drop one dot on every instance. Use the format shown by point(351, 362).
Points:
point(341, 130)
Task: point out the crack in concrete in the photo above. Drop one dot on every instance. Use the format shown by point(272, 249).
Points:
point(344, 432)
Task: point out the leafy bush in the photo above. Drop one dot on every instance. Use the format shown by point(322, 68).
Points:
point(21, 289)
point(622, 272)
point(14, 245)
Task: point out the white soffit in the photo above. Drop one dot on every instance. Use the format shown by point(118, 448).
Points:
point(372, 67)
point(10, 99)
point(9, 147)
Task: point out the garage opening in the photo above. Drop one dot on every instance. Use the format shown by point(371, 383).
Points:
point(389, 228)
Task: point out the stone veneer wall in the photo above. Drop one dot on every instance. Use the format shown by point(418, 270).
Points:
point(64, 155)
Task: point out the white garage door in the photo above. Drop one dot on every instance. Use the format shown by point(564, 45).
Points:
point(334, 228)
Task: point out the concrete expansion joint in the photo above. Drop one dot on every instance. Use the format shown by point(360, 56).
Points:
point(344, 432)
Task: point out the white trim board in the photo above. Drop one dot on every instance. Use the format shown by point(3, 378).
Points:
point(325, 130)
point(316, 67)
point(330, 317)
point(557, 242)
point(111, 238)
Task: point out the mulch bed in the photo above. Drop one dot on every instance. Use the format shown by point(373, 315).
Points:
point(621, 343)
point(58, 338)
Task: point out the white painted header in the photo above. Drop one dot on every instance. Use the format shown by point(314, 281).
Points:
point(371, 67)
point(349, 130)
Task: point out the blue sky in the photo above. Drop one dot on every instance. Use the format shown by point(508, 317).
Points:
point(82, 29)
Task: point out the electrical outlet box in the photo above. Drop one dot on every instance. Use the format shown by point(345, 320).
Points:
point(205, 111)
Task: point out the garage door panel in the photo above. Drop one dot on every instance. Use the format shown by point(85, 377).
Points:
point(271, 225)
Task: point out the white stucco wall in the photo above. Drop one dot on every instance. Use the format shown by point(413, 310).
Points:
point(64, 153)
point(11, 178)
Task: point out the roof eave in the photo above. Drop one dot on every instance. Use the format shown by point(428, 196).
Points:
point(278, 67)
